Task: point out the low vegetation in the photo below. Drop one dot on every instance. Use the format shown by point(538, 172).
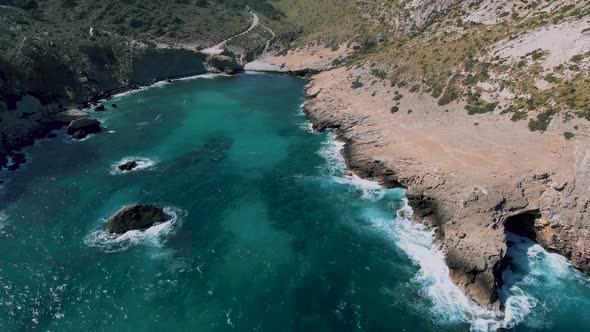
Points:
point(541, 123)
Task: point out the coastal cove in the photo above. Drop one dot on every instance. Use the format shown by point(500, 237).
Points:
point(266, 229)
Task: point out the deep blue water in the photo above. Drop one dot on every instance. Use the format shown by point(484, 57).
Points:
point(266, 232)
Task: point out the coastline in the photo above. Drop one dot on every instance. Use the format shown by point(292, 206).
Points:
point(475, 250)
point(463, 176)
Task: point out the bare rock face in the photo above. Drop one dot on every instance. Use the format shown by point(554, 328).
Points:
point(224, 63)
point(128, 166)
point(82, 127)
point(134, 217)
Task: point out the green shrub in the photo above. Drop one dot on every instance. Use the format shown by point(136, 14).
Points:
point(542, 121)
point(568, 135)
point(381, 74)
point(518, 115)
point(476, 105)
point(448, 96)
point(394, 109)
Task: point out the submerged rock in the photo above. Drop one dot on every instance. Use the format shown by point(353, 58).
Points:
point(134, 217)
point(128, 166)
point(81, 128)
point(216, 148)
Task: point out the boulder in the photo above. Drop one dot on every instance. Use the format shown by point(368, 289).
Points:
point(99, 108)
point(224, 63)
point(134, 217)
point(128, 166)
point(80, 128)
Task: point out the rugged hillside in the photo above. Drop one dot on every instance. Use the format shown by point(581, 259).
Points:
point(63, 52)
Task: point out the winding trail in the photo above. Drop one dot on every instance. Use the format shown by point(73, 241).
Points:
point(217, 49)
point(270, 39)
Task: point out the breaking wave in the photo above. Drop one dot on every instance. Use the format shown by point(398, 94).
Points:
point(331, 151)
point(163, 83)
point(450, 305)
point(153, 236)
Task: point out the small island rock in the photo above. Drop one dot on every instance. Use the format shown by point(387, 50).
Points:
point(128, 166)
point(134, 217)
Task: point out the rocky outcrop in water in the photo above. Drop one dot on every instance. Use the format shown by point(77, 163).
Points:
point(83, 127)
point(134, 217)
point(128, 166)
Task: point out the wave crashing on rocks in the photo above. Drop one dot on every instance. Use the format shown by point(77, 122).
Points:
point(331, 151)
point(143, 163)
point(153, 236)
point(449, 303)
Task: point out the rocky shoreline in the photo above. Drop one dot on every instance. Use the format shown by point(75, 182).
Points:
point(29, 119)
point(464, 177)
point(469, 180)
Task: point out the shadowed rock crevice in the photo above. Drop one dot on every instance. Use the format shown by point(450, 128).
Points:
point(523, 224)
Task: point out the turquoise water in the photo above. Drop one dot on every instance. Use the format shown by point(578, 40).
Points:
point(265, 231)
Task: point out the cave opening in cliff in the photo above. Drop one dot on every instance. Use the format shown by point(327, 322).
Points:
point(522, 224)
point(520, 235)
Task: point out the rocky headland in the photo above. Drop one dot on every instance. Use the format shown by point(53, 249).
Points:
point(488, 135)
point(472, 177)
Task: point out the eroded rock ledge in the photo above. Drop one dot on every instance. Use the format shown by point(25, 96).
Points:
point(469, 175)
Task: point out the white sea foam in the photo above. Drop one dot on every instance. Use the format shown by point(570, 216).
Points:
point(205, 76)
point(306, 125)
point(143, 163)
point(449, 303)
point(153, 236)
point(3, 219)
point(542, 270)
point(163, 83)
point(331, 151)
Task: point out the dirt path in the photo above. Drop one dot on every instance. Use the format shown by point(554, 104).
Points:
point(217, 49)
point(270, 39)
